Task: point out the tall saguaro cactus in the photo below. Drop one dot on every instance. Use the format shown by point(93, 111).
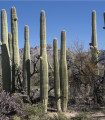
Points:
point(43, 62)
point(6, 71)
point(93, 44)
point(26, 62)
point(63, 72)
point(56, 74)
point(94, 49)
point(11, 52)
point(15, 60)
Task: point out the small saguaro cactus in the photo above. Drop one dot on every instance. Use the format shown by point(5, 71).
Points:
point(63, 73)
point(56, 74)
point(43, 62)
point(26, 62)
point(93, 44)
point(6, 71)
point(15, 59)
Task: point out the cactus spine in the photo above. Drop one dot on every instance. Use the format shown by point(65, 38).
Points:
point(56, 74)
point(63, 72)
point(43, 62)
point(93, 45)
point(15, 60)
point(6, 71)
point(26, 62)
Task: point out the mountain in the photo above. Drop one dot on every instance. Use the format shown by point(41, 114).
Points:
point(34, 51)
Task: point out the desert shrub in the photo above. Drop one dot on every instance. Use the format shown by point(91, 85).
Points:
point(15, 117)
point(83, 116)
point(0, 86)
point(8, 105)
point(34, 111)
point(59, 116)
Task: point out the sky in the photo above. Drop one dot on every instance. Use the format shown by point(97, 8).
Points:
point(75, 17)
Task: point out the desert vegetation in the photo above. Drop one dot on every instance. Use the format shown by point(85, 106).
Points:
point(72, 87)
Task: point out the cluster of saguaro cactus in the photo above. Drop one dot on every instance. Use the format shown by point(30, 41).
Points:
point(6, 71)
point(10, 54)
point(60, 79)
point(93, 44)
point(11, 61)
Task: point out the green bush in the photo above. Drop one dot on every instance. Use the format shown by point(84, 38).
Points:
point(34, 111)
point(59, 116)
point(83, 116)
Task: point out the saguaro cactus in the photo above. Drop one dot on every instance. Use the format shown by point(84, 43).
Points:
point(56, 74)
point(94, 49)
point(15, 60)
point(94, 34)
point(104, 20)
point(6, 71)
point(93, 44)
point(10, 45)
point(43, 62)
point(11, 52)
point(26, 62)
point(63, 72)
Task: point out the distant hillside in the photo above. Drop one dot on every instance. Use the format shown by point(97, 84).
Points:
point(36, 51)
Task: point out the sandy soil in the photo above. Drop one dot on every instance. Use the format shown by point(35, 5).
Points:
point(95, 114)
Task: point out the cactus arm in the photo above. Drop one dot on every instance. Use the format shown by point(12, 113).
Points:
point(50, 66)
point(0, 43)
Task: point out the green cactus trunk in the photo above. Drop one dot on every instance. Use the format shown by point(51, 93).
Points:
point(10, 45)
point(93, 45)
point(10, 51)
point(94, 49)
point(26, 62)
point(43, 62)
point(15, 59)
point(63, 73)
point(6, 71)
point(94, 33)
point(56, 74)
